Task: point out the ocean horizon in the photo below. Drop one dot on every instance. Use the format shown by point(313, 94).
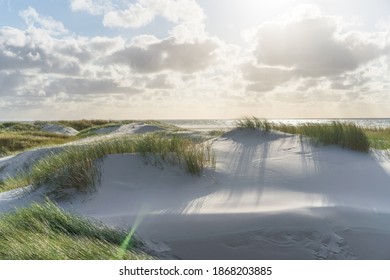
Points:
point(210, 124)
point(215, 124)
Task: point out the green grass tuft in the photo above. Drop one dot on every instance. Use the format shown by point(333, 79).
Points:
point(379, 138)
point(79, 124)
point(91, 131)
point(346, 135)
point(77, 168)
point(17, 141)
point(17, 126)
point(254, 123)
point(45, 232)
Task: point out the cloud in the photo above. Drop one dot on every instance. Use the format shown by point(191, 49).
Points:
point(35, 48)
point(86, 86)
point(176, 11)
point(12, 37)
point(121, 14)
point(32, 18)
point(160, 82)
point(39, 49)
point(304, 58)
point(168, 55)
point(135, 16)
point(44, 61)
point(314, 47)
point(45, 65)
point(307, 44)
point(10, 81)
point(265, 78)
point(94, 7)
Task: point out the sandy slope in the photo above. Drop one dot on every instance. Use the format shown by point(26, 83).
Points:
point(133, 128)
point(272, 196)
point(59, 129)
point(11, 165)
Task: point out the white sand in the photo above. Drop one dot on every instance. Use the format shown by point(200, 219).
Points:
point(11, 165)
point(136, 128)
point(271, 196)
point(59, 129)
point(20, 198)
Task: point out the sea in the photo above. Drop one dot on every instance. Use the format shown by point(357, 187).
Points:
point(223, 124)
point(216, 124)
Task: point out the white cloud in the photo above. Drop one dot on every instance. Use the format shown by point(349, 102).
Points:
point(121, 14)
point(168, 55)
point(135, 16)
point(161, 81)
point(189, 32)
point(313, 47)
point(85, 86)
point(41, 61)
point(94, 7)
point(265, 78)
point(12, 37)
point(32, 18)
point(176, 10)
point(307, 44)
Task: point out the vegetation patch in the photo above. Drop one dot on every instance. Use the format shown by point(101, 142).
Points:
point(254, 123)
point(77, 168)
point(17, 141)
point(80, 124)
point(177, 150)
point(379, 138)
point(346, 135)
point(45, 232)
point(216, 133)
point(17, 126)
point(91, 131)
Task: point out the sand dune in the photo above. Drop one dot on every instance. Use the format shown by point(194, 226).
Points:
point(59, 129)
point(271, 196)
point(132, 128)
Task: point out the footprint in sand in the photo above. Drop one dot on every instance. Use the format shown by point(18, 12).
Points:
point(319, 245)
point(334, 247)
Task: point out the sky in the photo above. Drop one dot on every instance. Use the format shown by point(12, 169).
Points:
point(187, 59)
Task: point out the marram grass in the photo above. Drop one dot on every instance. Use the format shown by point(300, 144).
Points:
point(254, 123)
point(77, 168)
point(379, 138)
point(346, 135)
point(45, 232)
point(16, 141)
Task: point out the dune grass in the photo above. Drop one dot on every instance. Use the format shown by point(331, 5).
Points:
point(379, 138)
point(77, 124)
point(17, 126)
point(91, 131)
point(346, 135)
point(18, 136)
point(77, 168)
point(254, 123)
point(45, 232)
point(17, 141)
